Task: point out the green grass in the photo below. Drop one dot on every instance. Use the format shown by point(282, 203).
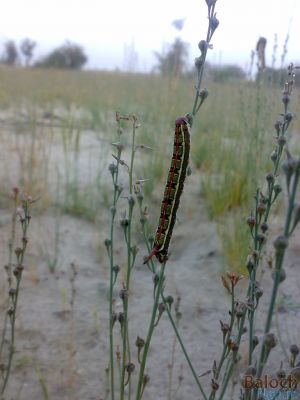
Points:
point(231, 139)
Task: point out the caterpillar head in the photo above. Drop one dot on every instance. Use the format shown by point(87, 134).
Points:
point(187, 119)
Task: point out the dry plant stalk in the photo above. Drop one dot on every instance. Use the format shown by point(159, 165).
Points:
point(21, 213)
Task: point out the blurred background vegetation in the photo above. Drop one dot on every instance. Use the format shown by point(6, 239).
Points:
point(231, 140)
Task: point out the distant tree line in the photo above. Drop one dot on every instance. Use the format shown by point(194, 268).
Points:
point(67, 56)
point(173, 61)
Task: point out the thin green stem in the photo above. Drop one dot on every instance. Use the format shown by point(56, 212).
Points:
point(125, 341)
point(111, 339)
point(226, 381)
point(126, 357)
point(183, 348)
point(151, 328)
point(201, 62)
point(132, 154)
point(115, 177)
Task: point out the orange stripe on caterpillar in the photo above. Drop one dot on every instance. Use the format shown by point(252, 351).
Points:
point(173, 190)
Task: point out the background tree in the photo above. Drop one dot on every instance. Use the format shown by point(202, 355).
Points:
point(175, 60)
point(224, 73)
point(10, 55)
point(69, 56)
point(27, 47)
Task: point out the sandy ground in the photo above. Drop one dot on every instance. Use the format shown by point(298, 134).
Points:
point(64, 346)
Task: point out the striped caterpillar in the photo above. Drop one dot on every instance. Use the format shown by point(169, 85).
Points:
point(173, 190)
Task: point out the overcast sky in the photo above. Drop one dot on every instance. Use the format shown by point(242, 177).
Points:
point(105, 27)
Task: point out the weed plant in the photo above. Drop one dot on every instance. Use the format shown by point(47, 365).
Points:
point(125, 362)
point(242, 312)
point(14, 270)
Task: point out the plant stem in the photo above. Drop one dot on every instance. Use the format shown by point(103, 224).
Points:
point(111, 279)
point(183, 348)
point(150, 332)
point(9, 266)
point(132, 153)
point(200, 68)
point(126, 358)
point(25, 220)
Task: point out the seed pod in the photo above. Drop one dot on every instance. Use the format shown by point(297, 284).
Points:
point(116, 269)
point(281, 140)
point(140, 343)
point(124, 222)
point(278, 126)
point(169, 300)
point(198, 62)
point(107, 243)
point(264, 227)
point(214, 385)
point(18, 251)
point(281, 243)
point(203, 94)
point(225, 328)
point(233, 345)
point(285, 99)
point(161, 308)
point(240, 310)
point(250, 263)
point(277, 189)
point(112, 168)
point(261, 208)
point(123, 294)
point(130, 367)
point(294, 349)
point(270, 177)
point(269, 341)
point(251, 221)
point(131, 201)
point(202, 46)
point(282, 275)
point(119, 188)
point(258, 291)
point(274, 156)
point(255, 341)
point(121, 318)
point(261, 238)
point(146, 380)
point(10, 312)
point(288, 117)
point(214, 23)
point(281, 374)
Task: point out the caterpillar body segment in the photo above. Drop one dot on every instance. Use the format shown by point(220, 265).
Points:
point(173, 190)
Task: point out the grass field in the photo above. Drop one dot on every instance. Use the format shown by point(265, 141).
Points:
point(231, 139)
